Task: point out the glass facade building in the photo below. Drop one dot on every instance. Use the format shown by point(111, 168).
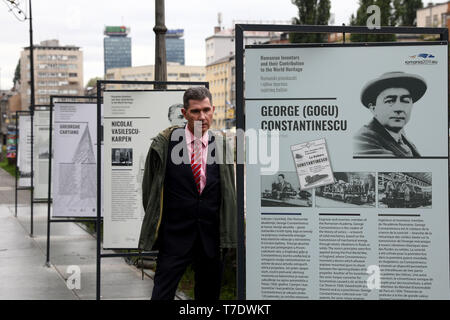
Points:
point(117, 51)
point(175, 46)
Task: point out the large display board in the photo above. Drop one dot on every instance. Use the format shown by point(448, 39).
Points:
point(74, 164)
point(41, 125)
point(131, 120)
point(381, 230)
point(24, 151)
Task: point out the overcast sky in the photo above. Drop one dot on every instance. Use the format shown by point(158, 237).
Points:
point(81, 23)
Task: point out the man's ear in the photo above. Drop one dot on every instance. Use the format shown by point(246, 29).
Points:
point(214, 108)
point(372, 108)
point(183, 111)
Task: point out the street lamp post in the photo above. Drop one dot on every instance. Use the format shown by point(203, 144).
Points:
point(32, 115)
point(19, 12)
point(31, 61)
point(160, 44)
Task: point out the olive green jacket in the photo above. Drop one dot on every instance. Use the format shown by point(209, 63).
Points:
point(153, 191)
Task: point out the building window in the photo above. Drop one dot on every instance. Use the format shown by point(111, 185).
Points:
point(435, 20)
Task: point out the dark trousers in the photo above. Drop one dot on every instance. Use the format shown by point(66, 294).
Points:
point(170, 269)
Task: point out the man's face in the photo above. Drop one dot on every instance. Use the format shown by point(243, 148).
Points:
point(176, 117)
point(199, 110)
point(280, 179)
point(393, 108)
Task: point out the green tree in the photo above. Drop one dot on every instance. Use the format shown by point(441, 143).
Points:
point(386, 19)
point(323, 12)
point(405, 12)
point(93, 82)
point(311, 12)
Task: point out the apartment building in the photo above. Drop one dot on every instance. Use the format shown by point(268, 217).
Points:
point(58, 70)
point(434, 15)
point(221, 77)
point(221, 43)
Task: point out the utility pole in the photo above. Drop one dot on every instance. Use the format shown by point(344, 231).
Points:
point(160, 44)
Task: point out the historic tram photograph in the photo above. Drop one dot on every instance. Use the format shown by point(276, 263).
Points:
point(351, 189)
point(404, 190)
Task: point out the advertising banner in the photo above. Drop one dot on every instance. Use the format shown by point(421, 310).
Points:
point(380, 228)
point(41, 125)
point(74, 165)
point(11, 143)
point(131, 120)
point(24, 151)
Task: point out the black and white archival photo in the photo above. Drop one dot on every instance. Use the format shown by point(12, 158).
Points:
point(122, 156)
point(404, 190)
point(283, 190)
point(351, 189)
point(395, 101)
point(175, 116)
point(43, 150)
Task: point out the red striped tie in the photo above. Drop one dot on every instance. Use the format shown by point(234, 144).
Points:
point(196, 162)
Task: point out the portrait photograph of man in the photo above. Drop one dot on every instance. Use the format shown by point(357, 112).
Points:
point(175, 115)
point(390, 99)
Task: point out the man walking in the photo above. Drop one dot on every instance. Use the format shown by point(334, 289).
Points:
point(189, 199)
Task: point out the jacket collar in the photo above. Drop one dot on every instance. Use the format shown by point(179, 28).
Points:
point(160, 142)
point(376, 126)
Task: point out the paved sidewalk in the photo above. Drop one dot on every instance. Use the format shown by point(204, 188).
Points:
point(23, 274)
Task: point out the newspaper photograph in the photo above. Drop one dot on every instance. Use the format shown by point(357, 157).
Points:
point(312, 164)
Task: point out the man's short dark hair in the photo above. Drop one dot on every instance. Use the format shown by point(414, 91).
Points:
point(196, 93)
point(281, 175)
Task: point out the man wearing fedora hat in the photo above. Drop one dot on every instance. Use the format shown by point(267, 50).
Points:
point(390, 98)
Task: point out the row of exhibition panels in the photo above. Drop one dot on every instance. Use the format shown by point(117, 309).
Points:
point(126, 121)
point(58, 147)
point(71, 165)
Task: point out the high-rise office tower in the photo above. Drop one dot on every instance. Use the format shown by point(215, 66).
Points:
point(117, 47)
point(175, 46)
